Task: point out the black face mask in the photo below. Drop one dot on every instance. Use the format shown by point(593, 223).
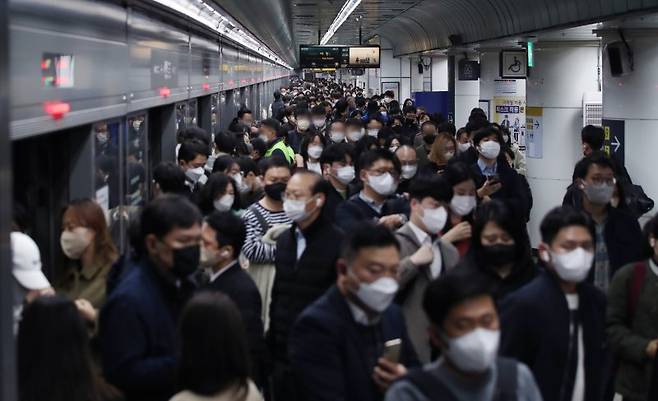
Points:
point(498, 255)
point(275, 191)
point(429, 139)
point(186, 260)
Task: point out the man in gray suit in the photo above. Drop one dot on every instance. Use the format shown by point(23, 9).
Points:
point(424, 255)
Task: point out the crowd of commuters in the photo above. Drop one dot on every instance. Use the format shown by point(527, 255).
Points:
point(348, 248)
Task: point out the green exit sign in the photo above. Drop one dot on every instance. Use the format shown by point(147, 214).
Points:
point(531, 54)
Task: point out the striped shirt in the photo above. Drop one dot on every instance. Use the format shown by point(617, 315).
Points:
point(254, 248)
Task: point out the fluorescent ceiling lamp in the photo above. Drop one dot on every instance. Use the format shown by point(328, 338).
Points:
point(206, 14)
point(343, 14)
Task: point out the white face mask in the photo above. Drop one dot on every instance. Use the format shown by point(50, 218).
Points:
point(315, 151)
point(195, 174)
point(136, 125)
point(383, 113)
point(345, 174)
point(264, 138)
point(409, 171)
point(296, 209)
point(75, 242)
point(572, 266)
point(379, 294)
point(303, 124)
point(373, 132)
point(434, 219)
point(392, 149)
point(463, 147)
point(474, 352)
point(448, 155)
point(384, 184)
point(490, 149)
point(239, 182)
point(337, 136)
point(355, 136)
point(463, 204)
point(319, 123)
point(224, 203)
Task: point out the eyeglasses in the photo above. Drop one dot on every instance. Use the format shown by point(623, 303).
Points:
point(604, 181)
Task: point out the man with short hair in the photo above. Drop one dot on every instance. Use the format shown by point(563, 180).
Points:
point(319, 117)
point(302, 129)
point(192, 158)
point(338, 169)
point(277, 106)
point(336, 133)
point(410, 125)
point(464, 324)
point(406, 154)
point(168, 178)
point(355, 130)
point(380, 171)
point(271, 133)
point(337, 346)
point(138, 322)
point(592, 139)
point(425, 256)
point(556, 323)
point(305, 267)
point(618, 235)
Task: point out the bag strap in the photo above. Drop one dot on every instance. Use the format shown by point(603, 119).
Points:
point(431, 386)
point(635, 288)
point(261, 219)
point(507, 381)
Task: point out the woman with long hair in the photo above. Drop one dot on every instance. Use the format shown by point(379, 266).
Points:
point(310, 151)
point(54, 361)
point(442, 150)
point(219, 193)
point(459, 227)
point(214, 357)
point(87, 244)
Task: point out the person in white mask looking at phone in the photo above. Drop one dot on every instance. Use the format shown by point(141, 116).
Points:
point(425, 256)
point(464, 325)
point(339, 346)
point(556, 323)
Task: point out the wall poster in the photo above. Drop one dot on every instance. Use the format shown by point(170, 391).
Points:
point(510, 108)
point(534, 132)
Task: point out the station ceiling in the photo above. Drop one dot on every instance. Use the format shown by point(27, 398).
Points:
point(414, 26)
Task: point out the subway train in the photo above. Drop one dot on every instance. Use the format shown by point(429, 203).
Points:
point(99, 91)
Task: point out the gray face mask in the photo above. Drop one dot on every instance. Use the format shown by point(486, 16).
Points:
point(599, 194)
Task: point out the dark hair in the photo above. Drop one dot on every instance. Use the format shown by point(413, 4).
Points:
point(186, 134)
point(222, 164)
point(318, 109)
point(367, 235)
point(409, 109)
point(459, 285)
point(370, 157)
point(277, 95)
point(650, 230)
point(308, 139)
point(259, 146)
point(354, 122)
point(230, 229)
point(170, 178)
point(213, 189)
point(191, 148)
point(167, 212)
point(598, 158)
point(243, 111)
point(429, 122)
point(509, 219)
point(457, 173)
point(272, 162)
point(480, 134)
point(248, 165)
point(432, 186)
point(337, 152)
point(302, 111)
point(448, 127)
point(593, 136)
point(562, 217)
point(213, 348)
point(54, 360)
point(225, 142)
point(21, 218)
point(273, 124)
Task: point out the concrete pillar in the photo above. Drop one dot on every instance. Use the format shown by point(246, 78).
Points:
point(563, 73)
point(633, 98)
point(467, 96)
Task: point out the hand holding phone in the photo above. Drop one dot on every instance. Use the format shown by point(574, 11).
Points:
point(392, 350)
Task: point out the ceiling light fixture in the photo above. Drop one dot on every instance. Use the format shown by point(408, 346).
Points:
point(343, 14)
point(207, 15)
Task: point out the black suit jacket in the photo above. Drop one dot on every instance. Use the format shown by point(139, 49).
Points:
point(535, 330)
point(327, 350)
point(356, 210)
point(240, 287)
point(512, 190)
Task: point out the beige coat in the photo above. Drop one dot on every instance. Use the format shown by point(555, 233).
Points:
point(229, 395)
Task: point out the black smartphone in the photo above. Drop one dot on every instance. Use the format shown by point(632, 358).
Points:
point(493, 179)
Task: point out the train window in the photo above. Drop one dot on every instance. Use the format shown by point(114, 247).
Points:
point(191, 119)
point(136, 188)
point(181, 112)
point(107, 138)
point(214, 101)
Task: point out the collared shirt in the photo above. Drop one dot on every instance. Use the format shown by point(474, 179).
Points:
point(219, 272)
point(424, 238)
point(487, 170)
point(601, 260)
point(376, 207)
point(301, 242)
point(360, 316)
point(85, 282)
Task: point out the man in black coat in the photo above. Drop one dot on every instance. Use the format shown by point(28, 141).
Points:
point(223, 234)
point(305, 267)
point(555, 324)
point(380, 173)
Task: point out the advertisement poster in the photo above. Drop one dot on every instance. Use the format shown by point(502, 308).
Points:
point(534, 132)
point(510, 108)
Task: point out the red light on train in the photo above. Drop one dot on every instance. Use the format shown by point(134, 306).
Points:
point(56, 109)
point(165, 92)
point(206, 86)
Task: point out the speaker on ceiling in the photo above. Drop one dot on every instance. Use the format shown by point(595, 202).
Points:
point(456, 40)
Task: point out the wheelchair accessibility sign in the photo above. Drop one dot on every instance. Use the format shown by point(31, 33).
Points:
point(513, 64)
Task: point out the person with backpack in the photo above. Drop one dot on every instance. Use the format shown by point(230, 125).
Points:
point(464, 324)
point(632, 320)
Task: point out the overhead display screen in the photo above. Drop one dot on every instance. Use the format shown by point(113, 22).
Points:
point(338, 56)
